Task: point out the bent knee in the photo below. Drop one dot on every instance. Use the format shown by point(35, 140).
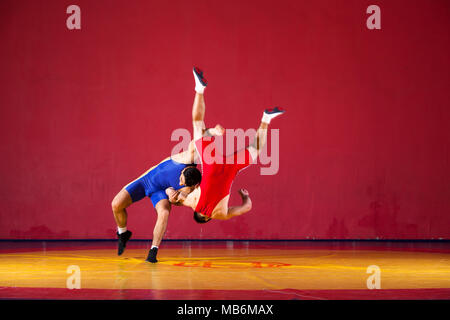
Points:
point(119, 203)
point(116, 205)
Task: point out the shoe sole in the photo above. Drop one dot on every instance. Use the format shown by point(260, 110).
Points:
point(199, 74)
point(274, 110)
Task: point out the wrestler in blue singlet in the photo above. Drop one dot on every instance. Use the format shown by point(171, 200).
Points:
point(153, 183)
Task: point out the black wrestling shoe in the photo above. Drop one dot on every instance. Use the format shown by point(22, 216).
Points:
point(274, 112)
point(269, 114)
point(152, 255)
point(199, 76)
point(123, 239)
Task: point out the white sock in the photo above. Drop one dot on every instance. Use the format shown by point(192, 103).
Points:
point(121, 230)
point(266, 118)
point(199, 88)
point(154, 247)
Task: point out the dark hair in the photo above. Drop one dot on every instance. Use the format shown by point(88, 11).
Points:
point(200, 218)
point(192, 176)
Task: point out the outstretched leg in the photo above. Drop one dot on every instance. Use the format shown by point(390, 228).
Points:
point(198, 116)
point(261, 135)
point(198, 108)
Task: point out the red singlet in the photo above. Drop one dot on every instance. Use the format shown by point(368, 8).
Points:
point(218, 172)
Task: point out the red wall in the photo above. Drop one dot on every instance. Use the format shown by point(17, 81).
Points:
point(364, 146)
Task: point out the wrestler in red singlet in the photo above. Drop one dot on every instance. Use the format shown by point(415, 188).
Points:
point(217, 176)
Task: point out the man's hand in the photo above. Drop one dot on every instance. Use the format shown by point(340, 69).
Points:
point(219, 130)
point(175, 197)
point(172, 194)
point(244, 193)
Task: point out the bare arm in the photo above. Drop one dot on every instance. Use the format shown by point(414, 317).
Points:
point(235, 211)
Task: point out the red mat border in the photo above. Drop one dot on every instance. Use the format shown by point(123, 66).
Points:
point(26, 293)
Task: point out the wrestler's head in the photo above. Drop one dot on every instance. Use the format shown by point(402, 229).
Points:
point(200, 218)
point(190, 176)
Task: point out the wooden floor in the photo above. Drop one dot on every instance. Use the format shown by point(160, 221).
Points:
point(224, 270)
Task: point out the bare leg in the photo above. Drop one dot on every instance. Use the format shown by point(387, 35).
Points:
point(246, 205)
point(198, 115)
point(198, 108)
point(163, 210)
point(119, 204)
point(261, 136)
point(260, 140)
